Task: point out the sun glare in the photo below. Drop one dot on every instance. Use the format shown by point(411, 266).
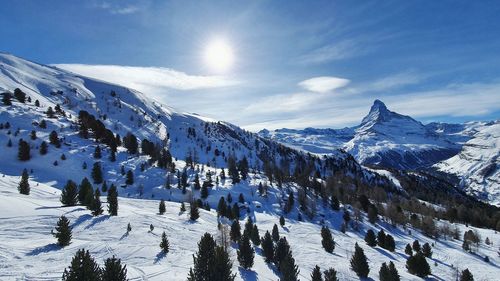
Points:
point(219, 55)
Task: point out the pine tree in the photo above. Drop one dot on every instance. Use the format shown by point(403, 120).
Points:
point(316, 274)
point(83, 268)
point(255, 236)
point(129, 228)
point(334, 203)
point(7, 98)
point(383, 273)
point(281, 250)
point(381, 238)
point(417, 265)
point(282, 221)
point(130, 178)
point(235, 212)
point(96, 205)
point(69, 195)
point(235, 232)
point(112, 199)
point(85, 192)
point(330, 274)
point(245, 252)
point(23, 153)
point(104, 187)
point(197, 184)
point(194, 213)
point(275, 233)
point(162, 207)
point(416, 246)
point(408, 250)
point(24, 185)
point(393, 272)
point(97, 173)
point(54, 139)
point(466, 275)
point(359, 263)
point(97, 152)
point(289, 270)
point(222, 266)
point(370, 238)
point(327, 240)
point(63, 232)
point(268, 247)
point(164, 245)
point(221, 207)
point(248, 227)
point(427, 250)
point(43, 148)
point(204, 192)
point(389, 243)
point(113, 270)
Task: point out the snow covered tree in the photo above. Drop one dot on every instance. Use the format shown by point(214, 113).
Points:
point(161, 208)
point(417, 265)
point(466, 275)
point(427, 250)
point(23, 153)
point(97, 173)
point(96, 206)
point(130, 178)
point(43, 148)
point(24, 185)
point(194, 213)
point(330, 274)
point(359, 264)
point(83, 268)
point(267, 247)
point(327, 240)
point(316, 274)
point(112, 199)
point(275, 233)
point(113, 270)
point(370, 238)
point(245, 252)
point(164, 244)
point(69, 194)
point(63, 232)
point(235, 232)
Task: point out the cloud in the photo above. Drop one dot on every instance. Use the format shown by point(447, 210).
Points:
point(145, 79)
point(118, 9)
point(337, 51)
point(323, 84)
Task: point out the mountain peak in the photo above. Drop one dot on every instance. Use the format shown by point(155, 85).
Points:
point(378, 113)
point(378, 105)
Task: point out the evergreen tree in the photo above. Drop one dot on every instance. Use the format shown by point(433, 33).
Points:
point(104, 187)
point(381, 238)
point(129, 228)
point(393, 272)
point(408, 250)
point(417, 265)
point(316, 274)
point(96, 205)
point(204, 192)
point(245, 252)
point(164, 245)
point(334, 203)
point(112, 199)
point(281, 250)
point(113, 270)
point(389, 243)
point(54, 139)
point(248, 227)
point(221, 207)
point(183, 207)
point(23, 153)
point(50, 112)
point(466, 275)
point(235, 211)
point(19, 95)
point(63, 232)
point(427, 250)
point(194, 213)
point(97, 152)
point(383, 273)
point(330, 274)
point(130, 178)
point(7, 98)
point(162, 207)
point(275, 233)
point(43, 148)
point(85, 192)
point(282, 221)
point(289, 270)
point(370, 238)
point(327, 240)
point(359, 263)
point(197, 184)
point(268, 247)
point(83, 268)
point(69, 194)
point(222, 266)
point(255, 236)
point(24, 185)
point(416, 246)
point(97, 173)
point(235, 232)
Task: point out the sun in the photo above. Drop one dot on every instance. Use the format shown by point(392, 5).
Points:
point(219, 55)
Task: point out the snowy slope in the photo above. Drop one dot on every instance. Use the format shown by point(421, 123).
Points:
point(478, 164)
point(31, 218)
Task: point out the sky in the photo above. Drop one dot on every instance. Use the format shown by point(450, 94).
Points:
point(296, 64)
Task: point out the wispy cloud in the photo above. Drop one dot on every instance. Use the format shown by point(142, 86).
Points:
point(336, 51)
point(118, 8)
point(323, 84)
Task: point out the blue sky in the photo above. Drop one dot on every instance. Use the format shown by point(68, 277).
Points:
point(297, 63)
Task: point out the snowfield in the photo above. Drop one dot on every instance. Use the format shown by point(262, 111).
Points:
point(28, 250)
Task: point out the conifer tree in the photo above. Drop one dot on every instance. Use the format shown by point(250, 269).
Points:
point(466, 275)
point(83, 268)
point(63, 232)
point(408, 250)
point(268, 247)
point(281, 250)
point(289, 270)
point(255, 236)
point(197, 185)
point(370, 238)
point(383, 273)
point(164, 244)
point(235, 232)
point(359, 263)
point(417, 265)
point(327, 240)
point(393, 272)
point(275, 233)
point(97, 173)
point(248, 227)
point(69, 194)
point(235, 211)
point(112, 199)
point(427, 250)
point(183, 207)
point(316, 274)
point(85, 192)
point(162, 207)
point(104, 187)
point(24, 185)
point(129, 228)
point(330, 274)
point(381, 238)
point(389, 243)
point(96, 205)
point(54, 139)
point(245, 252)
point(97, 152)
point(334, 203)
point(416, 246)
point(222, 265)
point(43, 148)
point(130, 178)
point(221, 207)
point(282, 221)
point(23, 153)
point(194, 213)
point(7, 98)
point(113, 270)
